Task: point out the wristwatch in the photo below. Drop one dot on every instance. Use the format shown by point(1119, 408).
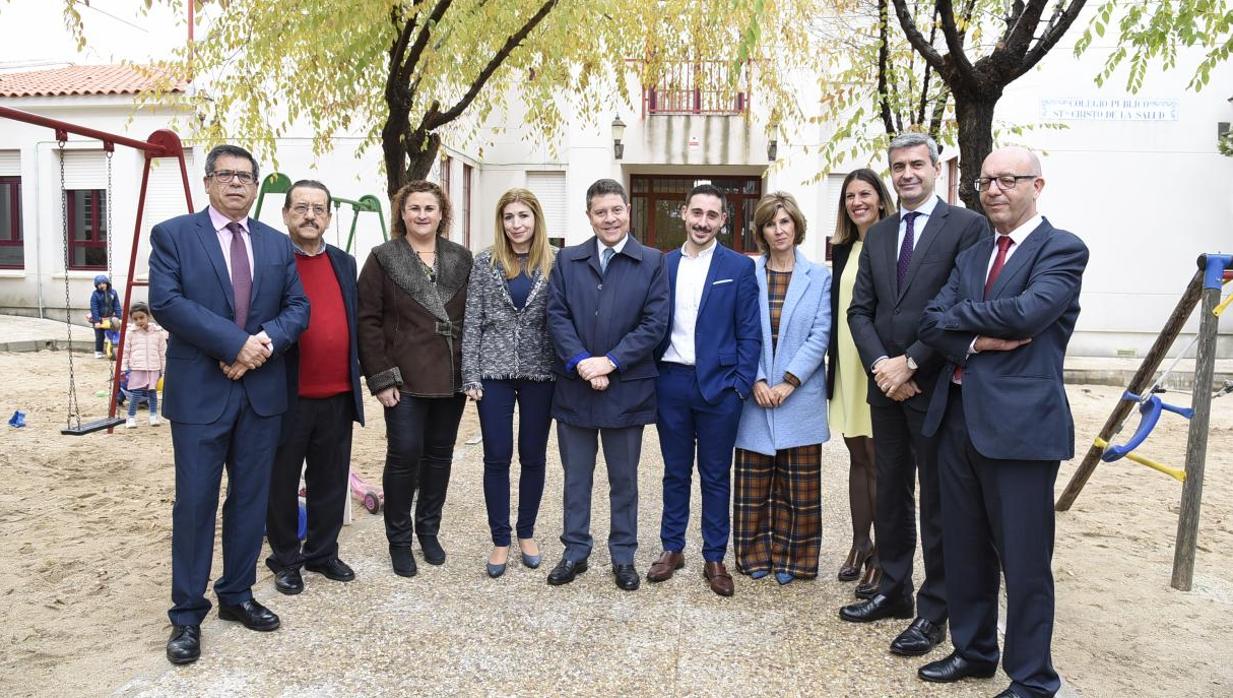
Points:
point(912, 363)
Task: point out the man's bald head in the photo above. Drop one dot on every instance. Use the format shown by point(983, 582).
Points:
point(1010, 182)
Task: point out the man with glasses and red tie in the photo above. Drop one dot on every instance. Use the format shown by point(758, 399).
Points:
point(904, 263)
point(1003, 424)
point(225, 286)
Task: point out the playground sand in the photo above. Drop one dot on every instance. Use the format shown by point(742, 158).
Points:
point(85, 566)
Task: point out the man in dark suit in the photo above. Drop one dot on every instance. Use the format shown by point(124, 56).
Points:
point(904, 262)
point(708, 362)
point(226, 288)
point(323, 399)
point(607, 312)
point(1003, 424)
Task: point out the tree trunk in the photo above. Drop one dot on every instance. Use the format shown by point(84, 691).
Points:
point(974, 112)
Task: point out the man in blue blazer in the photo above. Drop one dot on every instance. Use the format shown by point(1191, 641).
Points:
point(324, 398)
point(1000, 412)
point(707, 366)
point(607, 312)
point(226, 288)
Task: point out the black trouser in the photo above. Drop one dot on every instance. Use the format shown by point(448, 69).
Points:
point(320, 436)
point(419, 434)
point(998, 520)
point(900, 451)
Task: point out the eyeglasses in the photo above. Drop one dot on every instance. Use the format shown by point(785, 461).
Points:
point(304, 209)
point(226, 176)
point(1005, 182)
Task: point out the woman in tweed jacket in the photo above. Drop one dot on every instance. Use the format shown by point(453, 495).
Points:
point(507, 358)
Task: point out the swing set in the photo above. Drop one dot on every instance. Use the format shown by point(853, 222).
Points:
point(163, 143)
point(279, 183)
point(1214, 272)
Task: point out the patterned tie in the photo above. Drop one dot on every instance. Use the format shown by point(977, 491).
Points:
point(1004, 242)
point(605, 258)
point(241, 274)
point(905, 250)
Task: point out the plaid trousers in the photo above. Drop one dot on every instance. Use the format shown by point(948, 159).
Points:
point(777, 511)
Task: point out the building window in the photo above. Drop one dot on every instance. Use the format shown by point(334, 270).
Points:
point(446, 161)
point(656, 201)
point(466, 205)
point(12, 247)
point(701, 87)
point(87, 228)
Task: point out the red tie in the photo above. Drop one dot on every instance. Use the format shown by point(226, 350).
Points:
point(1004, 242)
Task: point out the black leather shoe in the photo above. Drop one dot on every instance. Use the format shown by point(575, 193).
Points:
point(251, 614)
point(879, 607)
point(434, 554)
point(920, 638)
point(184, 645)
point(289, 581)
point(954, 668)
point(626, 577)
point(403, 561)
point(1007, 694)
point(332, 568)
point(565, 571)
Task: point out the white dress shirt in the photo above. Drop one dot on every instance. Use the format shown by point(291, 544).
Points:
point(219, 221)
point(690, 282)
point(616, 249)
point(1018, 235)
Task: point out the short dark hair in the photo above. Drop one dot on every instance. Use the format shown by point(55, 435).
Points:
point(706, 189)
point(307, 184)
point(602, 187)
point(138, 307)
point(234, 151)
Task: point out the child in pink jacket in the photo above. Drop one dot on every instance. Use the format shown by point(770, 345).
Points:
point(145, 357)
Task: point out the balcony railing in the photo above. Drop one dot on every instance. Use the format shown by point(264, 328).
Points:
point(705, 87)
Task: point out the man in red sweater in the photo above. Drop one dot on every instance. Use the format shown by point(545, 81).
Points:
point(323, 380)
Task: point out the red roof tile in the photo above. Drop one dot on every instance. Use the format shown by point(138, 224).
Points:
point(77, 80)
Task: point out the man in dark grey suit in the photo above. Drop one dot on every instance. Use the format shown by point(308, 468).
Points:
point(607, 312)
point(905, 262)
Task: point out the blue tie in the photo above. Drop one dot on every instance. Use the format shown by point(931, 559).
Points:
point(605, 258)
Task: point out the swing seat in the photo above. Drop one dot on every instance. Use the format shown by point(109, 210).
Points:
point(1150, 410)
point(91, 427)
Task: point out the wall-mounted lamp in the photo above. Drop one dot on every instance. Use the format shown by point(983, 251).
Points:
point(772, 147)
point(618, 132)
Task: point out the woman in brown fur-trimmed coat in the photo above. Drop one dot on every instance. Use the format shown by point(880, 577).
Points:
point(412, 297)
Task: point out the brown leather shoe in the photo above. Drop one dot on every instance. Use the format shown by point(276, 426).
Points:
point(662, 569)
point(719, 579)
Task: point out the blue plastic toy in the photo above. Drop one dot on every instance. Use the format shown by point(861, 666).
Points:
point(18, 420)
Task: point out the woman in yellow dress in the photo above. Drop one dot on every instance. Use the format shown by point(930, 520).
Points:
point(863, 201)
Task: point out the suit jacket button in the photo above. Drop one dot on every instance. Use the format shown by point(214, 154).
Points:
point(599, 287)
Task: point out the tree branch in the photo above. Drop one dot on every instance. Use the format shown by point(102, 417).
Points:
point(913, 35)
point(434, 118)
point(421, 40)
point(1018, 37)
point(884, 66)
point(924, 90)
point(1058, 25)
point(954, 41)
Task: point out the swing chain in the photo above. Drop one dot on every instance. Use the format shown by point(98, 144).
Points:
point(74, 411)
point(110, 260)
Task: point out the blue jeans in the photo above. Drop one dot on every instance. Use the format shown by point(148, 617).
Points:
point(137, 395)
point(496, 413)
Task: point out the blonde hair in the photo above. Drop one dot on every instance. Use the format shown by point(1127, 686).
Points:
point(764, 214)
point(845, 228)
point(539, 257)
point(399, 229)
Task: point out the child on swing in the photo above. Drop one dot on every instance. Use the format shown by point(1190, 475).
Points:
point(104, 309)
point(145, 357)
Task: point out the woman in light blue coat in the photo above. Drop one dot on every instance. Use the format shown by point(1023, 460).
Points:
point(777, 502)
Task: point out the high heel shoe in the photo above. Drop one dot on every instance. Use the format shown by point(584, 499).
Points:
point(496, 570)
point(870, 582)
point(531, 561)
point(851, 568)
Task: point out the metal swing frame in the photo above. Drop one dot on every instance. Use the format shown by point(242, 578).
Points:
point(279, 183)
point(163, 143)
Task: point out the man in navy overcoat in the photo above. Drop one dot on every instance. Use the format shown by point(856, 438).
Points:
point(225, 286)
point(607, 312)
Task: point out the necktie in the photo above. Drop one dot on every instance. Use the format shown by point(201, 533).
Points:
point(1004, 242)
point(605, 258)
point(905, 250)
point(241, 274)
